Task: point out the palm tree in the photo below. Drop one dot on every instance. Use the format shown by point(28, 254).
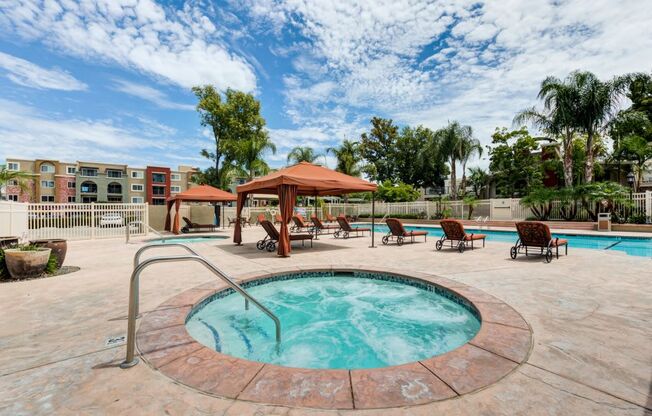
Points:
point(468, 148)
point(451, 138)
point(250, 157)
point(479, 179)
point(558, 118)
point(348, 159)
point(302, 154)
point(596, 103)
point(7, 176)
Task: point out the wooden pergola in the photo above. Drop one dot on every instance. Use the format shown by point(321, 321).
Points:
point(201, 193)
point(303, 179)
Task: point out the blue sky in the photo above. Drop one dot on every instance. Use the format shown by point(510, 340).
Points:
point(110, 80)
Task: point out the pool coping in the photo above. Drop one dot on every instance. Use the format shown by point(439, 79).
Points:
point(502, 344)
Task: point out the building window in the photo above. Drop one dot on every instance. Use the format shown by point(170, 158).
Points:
point(12, 182)
point(89, 187)
point(112, 173)
point(13, 166)
point(47, 168)
point(175, 177)
point(137, 187)
point(137, 174)
point(72, 185)
point(47, 198)
point(175, 189)
point(71, 170)
point(158, 201)
point(89, 199)
point(72, 199)
point(47, 184)
point(88, 172)
point(158, 190)
point(158, 177)
point(114, 199)
point(114, 188)
point(12, 198)
point(137, 199)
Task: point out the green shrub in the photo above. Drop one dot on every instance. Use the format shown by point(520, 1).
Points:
point(4, 273)
point(636, 219)
point(51, 267)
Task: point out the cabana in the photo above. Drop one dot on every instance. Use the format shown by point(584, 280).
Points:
point(303, 179)
point(201, 193)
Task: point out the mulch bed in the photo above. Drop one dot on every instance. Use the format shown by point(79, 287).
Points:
point(63, 270)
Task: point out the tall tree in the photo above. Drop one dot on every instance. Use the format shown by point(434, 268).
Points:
point(378, 149)
point(303, 154)
point(469, 148)
point(347, 156)
point(410, 145)
point(7, 176)
point(452, 138)
point(639, 151)
point(232, 119)
point(596, 103)
point(479, 179)
point(515, 163)
point(432, 162)
point(557, 119)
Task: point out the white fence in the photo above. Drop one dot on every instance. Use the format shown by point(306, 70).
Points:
point(85, 221)
point(496, 209)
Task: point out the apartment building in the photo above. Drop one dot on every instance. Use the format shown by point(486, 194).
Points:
point(85, 182)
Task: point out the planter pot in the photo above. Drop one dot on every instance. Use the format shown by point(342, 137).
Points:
point(24, 264)
point(59, 248)
point(8, 241)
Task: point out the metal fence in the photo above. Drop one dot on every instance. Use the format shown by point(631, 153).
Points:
point(493, 209)
point(85, 221)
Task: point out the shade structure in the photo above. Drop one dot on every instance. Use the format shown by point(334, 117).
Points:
point(301, 179)
point(201, 193)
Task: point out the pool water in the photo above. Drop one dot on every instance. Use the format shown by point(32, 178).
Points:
point(634, 246)
point(341, 322)
point(184, 240)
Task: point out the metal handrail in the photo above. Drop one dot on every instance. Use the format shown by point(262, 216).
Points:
point(130, 360)
point(146, 225)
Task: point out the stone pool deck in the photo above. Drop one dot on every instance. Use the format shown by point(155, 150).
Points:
point(590, 314)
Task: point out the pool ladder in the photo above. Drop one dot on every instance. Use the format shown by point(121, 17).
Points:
point(134, 292)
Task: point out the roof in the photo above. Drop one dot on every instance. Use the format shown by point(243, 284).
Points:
point(310, 179)
point(204, 193)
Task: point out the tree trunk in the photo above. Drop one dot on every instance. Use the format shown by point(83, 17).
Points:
point(463, 184)
point(588, 169)
point(453, 184)
point(568, 160)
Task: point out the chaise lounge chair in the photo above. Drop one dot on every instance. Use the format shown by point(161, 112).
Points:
point(300, 224)
point(193, 226)
point(261, 217)
point(397, 232)
point(536, 234)
point(278, 219)
point(320, 228)
point(271, 239)
point(330, 218)
point(346, 230)
point(454, 232)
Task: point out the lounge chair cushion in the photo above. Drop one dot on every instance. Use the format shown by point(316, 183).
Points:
point(410, 233)
point(470, 237)
point(558, 242)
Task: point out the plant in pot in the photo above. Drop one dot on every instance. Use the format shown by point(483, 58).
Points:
point(59, 248)
point(25, 261)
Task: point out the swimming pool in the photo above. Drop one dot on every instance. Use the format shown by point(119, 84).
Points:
point(337, 321)
point(634, 246)
point(199, 239)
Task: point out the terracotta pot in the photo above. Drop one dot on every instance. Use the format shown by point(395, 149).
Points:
point(8, 241)
point(24, 264)
point(59, 248)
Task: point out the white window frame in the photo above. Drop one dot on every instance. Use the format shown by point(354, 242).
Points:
point(175, 177)
point(71, 170)
point(137, 174)
point(47, 183)
point(137, 200)
point(17, 168)
point(48, 166)
point(142, 187)
point(175, 189)
point(47, 198)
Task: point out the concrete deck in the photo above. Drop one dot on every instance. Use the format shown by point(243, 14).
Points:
point(590, 314)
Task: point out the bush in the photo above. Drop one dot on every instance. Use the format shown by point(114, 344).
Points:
point(637, 219)
point(398, 192)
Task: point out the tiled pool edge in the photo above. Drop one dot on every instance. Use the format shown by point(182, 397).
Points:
point(502, 344)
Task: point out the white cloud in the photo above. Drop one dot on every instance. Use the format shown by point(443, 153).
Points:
point(29, 133)
point(180, 46)
point(150, 94)
point(27, 74)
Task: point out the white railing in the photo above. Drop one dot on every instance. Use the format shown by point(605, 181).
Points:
point(495, 209)
point(85, 221)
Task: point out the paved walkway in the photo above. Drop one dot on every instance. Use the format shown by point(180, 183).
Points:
point(590, 313)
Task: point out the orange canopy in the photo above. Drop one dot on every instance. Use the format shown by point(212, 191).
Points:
point(300, 179)
point(311, 180)
point(201, 193)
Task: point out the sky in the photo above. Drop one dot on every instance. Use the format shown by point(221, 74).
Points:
point(110, 80)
